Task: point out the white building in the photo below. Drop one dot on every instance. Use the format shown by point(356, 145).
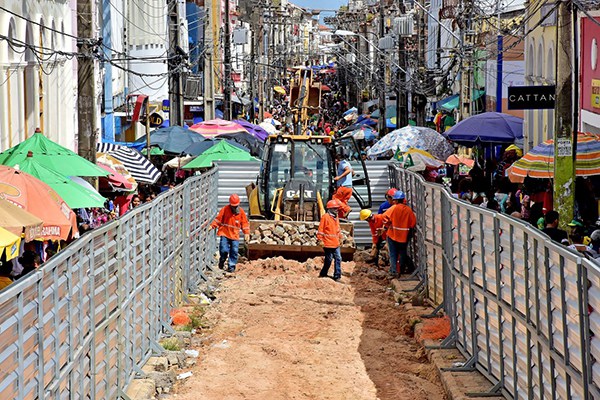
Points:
point(37, 71)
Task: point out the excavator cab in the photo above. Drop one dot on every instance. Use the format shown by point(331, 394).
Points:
point(288, 198)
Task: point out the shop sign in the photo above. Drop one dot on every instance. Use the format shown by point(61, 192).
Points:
point(595, 93)
point(165, 106)
point(531, 97)
point(156, 120)
point(564, 147)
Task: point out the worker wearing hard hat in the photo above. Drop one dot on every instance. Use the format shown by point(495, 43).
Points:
point(378, 235)
point(388, 201)
point(228, 223)
point(329, 236)
point(399, 222)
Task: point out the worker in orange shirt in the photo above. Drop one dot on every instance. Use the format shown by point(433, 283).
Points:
point(398, 222)
point(378, 235)
point(330, 235)
point(228, 223)
point(343, 180)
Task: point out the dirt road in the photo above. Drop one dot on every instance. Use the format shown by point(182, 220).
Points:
point(280, 332)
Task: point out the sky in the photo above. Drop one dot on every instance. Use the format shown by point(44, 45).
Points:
point(321, 5)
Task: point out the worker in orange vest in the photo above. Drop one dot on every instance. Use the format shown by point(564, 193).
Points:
point(228, 223)
point(398, 222)
point(378, 235)
point(329, 236)
point(343, 180)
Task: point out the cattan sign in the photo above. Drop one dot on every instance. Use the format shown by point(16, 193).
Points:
point(531, 97)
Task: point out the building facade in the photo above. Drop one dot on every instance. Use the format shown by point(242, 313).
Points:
point(38, 71)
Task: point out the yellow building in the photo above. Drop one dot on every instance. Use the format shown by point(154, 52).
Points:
point(540, 65)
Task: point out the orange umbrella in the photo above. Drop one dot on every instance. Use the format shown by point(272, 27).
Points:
point(39, 199)
point(456, 159)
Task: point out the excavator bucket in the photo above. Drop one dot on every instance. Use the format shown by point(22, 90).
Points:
point(293, 239)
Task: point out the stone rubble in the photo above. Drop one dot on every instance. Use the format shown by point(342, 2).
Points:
point(292, 234)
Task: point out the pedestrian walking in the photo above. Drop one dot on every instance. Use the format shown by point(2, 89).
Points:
point(228, 223)
point(378, 235)
point(398, 222)
point(343, 180)
point(329, 235)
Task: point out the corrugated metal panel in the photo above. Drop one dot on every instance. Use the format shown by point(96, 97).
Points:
point(235, 175)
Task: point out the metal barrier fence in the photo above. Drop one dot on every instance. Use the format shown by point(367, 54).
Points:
point(85, 322)
point(524, 311)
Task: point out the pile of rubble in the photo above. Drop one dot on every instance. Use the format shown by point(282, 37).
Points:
point(292, 234)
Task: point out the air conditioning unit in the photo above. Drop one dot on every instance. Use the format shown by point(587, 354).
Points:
point(240, 36)
point(193, 87)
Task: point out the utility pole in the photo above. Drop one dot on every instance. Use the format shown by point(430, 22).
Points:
point(382, 123)
point(175, 62)
point(252, 69)
point(227, 69)
point(566, 121)
point(87, 98)
point(208, 75)
point(467, 62)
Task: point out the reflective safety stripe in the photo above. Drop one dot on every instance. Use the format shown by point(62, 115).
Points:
point(400, 229)
point(329, 234)
point(230, 226)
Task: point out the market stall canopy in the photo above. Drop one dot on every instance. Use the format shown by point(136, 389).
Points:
point(418, 160)
point(455, 159)
point(9, 244)
point(39, 199)
point(270, 128)
point(222, 151)
point(199, 148)
point(215, 127)
point(75, 195)
point(173, 139)
point(390, 111)
point(489, 127)
point(247, 140)
point(154, 151)
point(119, 179)
point(179, 162)
point(51, 155)
point(255, 130)
point(272, 121)
point(363, 133)
point(18, 221)
point(413, 136)
point(138, 166)
point(539, 161)
point(452, 102)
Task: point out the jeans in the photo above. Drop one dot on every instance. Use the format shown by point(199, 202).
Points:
point(398, 253)
point(228, 247)
point(336, 255)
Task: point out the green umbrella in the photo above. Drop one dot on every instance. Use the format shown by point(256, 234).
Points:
point(74, 194)
point(51, 155)
point(154, 151)
point(222, 151)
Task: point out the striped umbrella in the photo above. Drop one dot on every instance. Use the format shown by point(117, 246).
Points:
point(138, 166)
point(215, 127)
point(539, 161)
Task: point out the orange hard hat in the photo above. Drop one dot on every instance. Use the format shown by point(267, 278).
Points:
point(391, 192)
point(234, 200)
point(333, 204)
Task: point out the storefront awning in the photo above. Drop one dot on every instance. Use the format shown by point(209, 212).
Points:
point(452, 102)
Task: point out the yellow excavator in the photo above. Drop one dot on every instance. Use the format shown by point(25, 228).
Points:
point(305, 98)
point(287, 200)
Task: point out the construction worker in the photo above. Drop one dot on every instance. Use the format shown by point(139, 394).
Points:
point(343, 180)
point(388, 201)
point(329, 236)
point(398, 222)
point(228, 223)
point(375, 223)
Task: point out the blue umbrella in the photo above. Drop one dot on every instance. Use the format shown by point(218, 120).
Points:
point(367, 121)
point(364, 133)
point(490, 127)
point(173, 139)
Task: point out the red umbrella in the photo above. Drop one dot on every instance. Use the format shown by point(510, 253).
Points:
point(39, 199)
point(114, 180)
point(215, 127)
point(325, 88)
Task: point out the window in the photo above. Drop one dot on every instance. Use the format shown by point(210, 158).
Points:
point(549, 12)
